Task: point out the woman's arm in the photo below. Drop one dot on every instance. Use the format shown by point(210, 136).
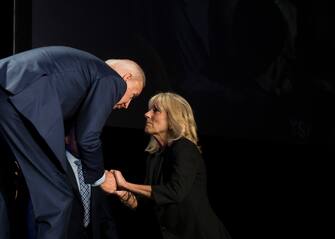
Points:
point(127, 198)
point(144, 190)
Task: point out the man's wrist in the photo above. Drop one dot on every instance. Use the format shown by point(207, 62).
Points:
point(99, 181)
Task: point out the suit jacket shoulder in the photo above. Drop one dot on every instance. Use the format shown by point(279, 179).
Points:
point(19, 71)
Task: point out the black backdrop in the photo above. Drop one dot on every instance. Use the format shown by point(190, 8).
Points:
point(197, 48)
point(257, 74)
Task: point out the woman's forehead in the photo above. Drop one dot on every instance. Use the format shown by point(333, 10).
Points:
point(155, 103)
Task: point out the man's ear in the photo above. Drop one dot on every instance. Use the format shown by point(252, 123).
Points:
point(127, 76)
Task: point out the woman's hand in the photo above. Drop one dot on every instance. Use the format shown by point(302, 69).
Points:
point(120, 180)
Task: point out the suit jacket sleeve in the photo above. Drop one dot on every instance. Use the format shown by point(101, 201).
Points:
point(181, 172)
point(94, 111)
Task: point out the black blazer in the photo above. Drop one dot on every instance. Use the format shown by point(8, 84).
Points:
point(178, 178)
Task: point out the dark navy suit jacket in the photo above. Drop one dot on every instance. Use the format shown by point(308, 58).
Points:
point(53, 85)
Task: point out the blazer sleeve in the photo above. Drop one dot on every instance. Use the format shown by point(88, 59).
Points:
point(184, 163)
point(94, 111)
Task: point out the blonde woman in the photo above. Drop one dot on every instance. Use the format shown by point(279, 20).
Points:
point(176, 175)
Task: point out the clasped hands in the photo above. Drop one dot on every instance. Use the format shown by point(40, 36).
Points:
point(113, 181)
point(116, 184)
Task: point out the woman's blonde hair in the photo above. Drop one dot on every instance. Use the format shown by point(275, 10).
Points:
point(180, 119)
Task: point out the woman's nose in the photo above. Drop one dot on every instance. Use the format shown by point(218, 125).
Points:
point(147, 115)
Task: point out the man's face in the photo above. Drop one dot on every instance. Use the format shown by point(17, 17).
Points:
point(134, 89)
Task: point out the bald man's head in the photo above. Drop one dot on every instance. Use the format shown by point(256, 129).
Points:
point(126, 68)
point(134, 77)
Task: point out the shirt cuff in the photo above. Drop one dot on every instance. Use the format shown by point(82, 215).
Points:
point(99, 181)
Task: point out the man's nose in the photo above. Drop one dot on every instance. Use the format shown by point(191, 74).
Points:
point(125, 105)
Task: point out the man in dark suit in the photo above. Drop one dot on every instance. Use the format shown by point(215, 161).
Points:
point(42, 92)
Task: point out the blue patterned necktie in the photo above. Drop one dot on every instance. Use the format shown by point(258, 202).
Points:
point(85, 193)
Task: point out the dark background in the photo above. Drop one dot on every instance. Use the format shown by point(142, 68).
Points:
point(259, 75)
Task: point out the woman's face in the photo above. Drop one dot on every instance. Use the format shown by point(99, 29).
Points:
point(157, 124)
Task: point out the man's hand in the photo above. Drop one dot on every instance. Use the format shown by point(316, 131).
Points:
point(109, 185)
